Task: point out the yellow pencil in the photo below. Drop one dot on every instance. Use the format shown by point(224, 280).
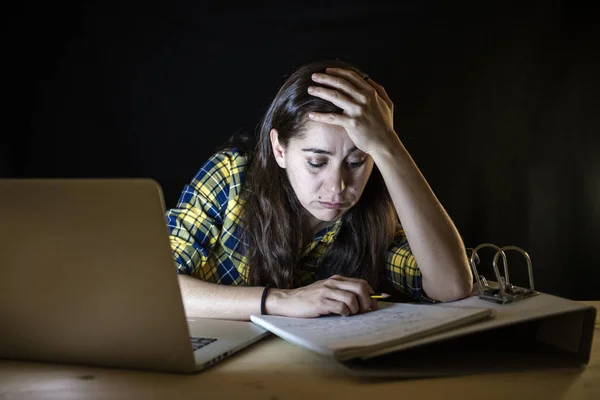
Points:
point(379, 295)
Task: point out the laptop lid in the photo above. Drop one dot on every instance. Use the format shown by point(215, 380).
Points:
point(87, 275)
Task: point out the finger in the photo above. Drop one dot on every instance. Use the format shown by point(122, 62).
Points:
point(381, 92)
point(331, 118)
point(358, 287)
point(346, 297)
point(343, 85)
point(357, 280)
point(334, 96)
point(328, 306)
point(374, 304)
point(351, 76)
point(347, 278)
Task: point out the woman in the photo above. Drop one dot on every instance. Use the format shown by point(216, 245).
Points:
point(328, 206)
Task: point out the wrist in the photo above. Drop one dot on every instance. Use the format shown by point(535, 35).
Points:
point(274, 301)
point(395, 150)
point(391, 147)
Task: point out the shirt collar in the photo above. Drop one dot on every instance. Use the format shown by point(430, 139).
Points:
point(326, 235)
point(329, 233)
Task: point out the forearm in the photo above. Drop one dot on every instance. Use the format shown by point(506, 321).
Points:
point(337, 295)
point(209, 300)
point(433, 238)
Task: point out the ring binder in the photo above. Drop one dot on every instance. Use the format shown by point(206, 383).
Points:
point(505, 292)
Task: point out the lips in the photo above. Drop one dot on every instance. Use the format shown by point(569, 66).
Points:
point(332, 206)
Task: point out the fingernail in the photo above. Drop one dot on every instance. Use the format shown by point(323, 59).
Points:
point(311, 115)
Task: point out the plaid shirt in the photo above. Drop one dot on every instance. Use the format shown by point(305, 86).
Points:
point(204, 229)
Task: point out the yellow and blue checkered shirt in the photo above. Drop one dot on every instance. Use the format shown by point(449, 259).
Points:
point(205, 231)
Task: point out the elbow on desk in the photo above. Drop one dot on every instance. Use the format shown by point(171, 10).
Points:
point(458, 292)
point(447, 292)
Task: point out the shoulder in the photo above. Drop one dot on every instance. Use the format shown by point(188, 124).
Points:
point(226, 160)
point(224, 163)
point(222, 174)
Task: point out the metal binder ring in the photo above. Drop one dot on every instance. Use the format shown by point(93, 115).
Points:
point(527, 258)
point(494, 265)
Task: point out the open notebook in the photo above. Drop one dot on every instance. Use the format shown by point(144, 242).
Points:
point(501, 326)
point(360, 335)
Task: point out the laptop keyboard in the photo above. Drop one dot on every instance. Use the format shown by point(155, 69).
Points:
point(198, 342)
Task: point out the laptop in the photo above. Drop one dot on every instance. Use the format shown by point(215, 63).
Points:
point(87, 277)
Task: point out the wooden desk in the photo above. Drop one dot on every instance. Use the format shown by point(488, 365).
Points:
point(275, 370)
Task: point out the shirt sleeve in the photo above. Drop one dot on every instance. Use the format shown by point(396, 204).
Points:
point(402, 270)
point(195, 223)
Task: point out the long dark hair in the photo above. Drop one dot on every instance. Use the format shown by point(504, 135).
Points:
point(273, 216)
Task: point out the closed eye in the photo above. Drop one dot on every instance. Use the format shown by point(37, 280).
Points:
point(351, 165)
point(317, 166)
point(356, 164)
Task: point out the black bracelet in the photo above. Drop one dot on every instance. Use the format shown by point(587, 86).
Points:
point(263, 298)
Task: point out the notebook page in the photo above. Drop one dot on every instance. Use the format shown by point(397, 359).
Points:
point(392, 323)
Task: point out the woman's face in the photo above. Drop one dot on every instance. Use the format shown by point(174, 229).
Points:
point(325, 169)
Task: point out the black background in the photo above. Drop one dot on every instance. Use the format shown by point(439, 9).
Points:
point(495, 100)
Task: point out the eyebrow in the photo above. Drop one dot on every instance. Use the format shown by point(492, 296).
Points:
point(321, 151)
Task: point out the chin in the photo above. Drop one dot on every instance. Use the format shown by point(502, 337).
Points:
point(330, 216)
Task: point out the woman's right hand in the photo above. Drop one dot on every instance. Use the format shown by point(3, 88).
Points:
point(335, 295)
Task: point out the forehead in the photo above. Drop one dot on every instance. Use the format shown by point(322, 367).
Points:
point(323, 136)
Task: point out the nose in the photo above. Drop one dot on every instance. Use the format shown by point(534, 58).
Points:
point(335, 182)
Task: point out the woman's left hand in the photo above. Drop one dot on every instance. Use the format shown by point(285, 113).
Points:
point(368, 111)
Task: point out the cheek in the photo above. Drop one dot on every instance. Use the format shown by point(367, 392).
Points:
point(360, 179)
point(303, 181)
point(309, 182)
